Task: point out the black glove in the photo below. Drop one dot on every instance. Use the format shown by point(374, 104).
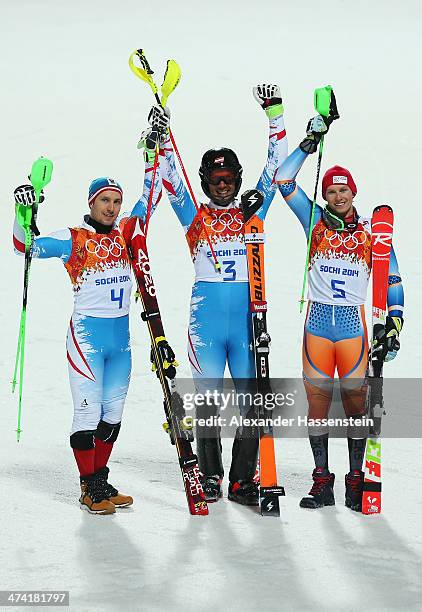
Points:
point(386, 343)
point(167, 356)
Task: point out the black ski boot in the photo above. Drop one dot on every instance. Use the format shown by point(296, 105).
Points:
point(245, 493)
point(354, 490)
point(211, 486)
point(322, 493)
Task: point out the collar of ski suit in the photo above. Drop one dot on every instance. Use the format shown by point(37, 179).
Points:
point(98, 227)
point(233, 204)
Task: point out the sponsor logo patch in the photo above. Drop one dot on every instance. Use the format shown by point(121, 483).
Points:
point(340, 179)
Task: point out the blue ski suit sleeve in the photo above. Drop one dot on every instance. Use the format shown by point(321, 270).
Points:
point(295, 197)
point(57, 244)
point(277, 153)
point(177, 192)
point(141, 207)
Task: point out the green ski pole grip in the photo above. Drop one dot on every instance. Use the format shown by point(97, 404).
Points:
point(322, 100)
point(41, 172)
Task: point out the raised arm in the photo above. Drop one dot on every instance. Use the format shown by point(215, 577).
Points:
point(57, 244)
point(149, 139)
point(295, 197)
point(176, 190)
point(269, 98)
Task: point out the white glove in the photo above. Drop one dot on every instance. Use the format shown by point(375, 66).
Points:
point(317, 125)
point(159, 118)
point(267, 95)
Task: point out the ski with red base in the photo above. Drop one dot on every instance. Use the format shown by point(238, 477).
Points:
point(269, 491)
point(382, 235)
point(176, 422)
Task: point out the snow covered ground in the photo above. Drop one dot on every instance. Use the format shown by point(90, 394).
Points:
point(68, 94)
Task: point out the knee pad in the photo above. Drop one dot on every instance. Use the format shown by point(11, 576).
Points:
point(82, 440)
point(107, 432)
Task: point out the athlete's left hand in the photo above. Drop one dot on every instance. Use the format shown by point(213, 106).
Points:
point(168, 358)
point(386, 343)
point(269, 98)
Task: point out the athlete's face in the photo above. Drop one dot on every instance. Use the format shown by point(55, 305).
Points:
point(340, 200)
point(106, 207)
point(222, 186)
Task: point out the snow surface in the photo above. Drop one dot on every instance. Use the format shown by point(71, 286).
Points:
point(68, 94)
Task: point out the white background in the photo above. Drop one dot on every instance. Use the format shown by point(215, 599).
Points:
point(68, 94)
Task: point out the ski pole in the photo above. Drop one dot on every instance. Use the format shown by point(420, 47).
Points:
point(40, 176)
point(151, 191)
point(322, 100)
point(170, 82)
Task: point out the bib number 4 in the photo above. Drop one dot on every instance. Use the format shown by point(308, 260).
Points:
point(118, 297)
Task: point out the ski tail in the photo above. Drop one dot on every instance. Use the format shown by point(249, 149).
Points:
point(382, 234)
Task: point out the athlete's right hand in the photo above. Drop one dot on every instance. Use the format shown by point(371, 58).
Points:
point(24, 200)
point(25, 195)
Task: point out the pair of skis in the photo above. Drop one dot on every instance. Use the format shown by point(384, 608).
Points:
point(176, 422)
point(269, 490)
point(382, 234)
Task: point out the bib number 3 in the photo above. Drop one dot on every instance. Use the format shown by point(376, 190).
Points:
point(229, 269)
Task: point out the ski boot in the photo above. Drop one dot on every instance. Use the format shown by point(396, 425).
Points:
point(354, 489)
point(321, 493)
point(245, 493)
point(93, 497)
point(211, 486)
point(111, 493)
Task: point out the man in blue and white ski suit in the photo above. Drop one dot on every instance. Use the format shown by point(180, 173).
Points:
point(220, 328)
point(98, 344)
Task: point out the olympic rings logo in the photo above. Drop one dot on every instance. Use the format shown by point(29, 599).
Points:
point(224, 221)
point(349, 241)
point(105, 247)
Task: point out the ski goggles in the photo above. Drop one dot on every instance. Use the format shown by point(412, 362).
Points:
point(226, 176)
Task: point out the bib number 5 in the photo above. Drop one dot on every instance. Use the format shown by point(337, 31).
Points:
point(337, 291)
